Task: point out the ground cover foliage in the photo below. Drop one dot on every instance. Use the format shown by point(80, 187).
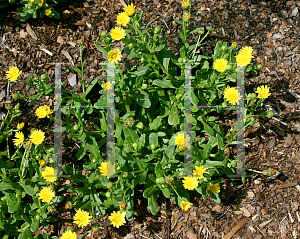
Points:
point(149, 133)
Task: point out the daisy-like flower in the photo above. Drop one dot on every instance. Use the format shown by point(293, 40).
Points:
point(13, 73)
point(123, 19)
point(182, 142)
point(37, 136)
point(41, 3)
point(199, 171)
point(20, 126)
point(69, 235)
point(190, 183)
point(185, 3)
point(117, 219)
point(118, 33)
point(244, 56)
point(48, 110)
point(263, 92)
point(221, 65)
point(46, 194)
point(185, 205)
point(43, 111)
point(232, 95)
point(186, 17)
point(19, 138)
point(48, 174)
point(106, 169)
point(129, 9)
point(107, 86)
point(114, 56)
point(215, 188)
point(48, 12)
point(82, 218)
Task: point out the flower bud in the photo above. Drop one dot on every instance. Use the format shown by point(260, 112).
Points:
point(51, 208)
point(42, 162)
point(123, 206)
point(125, 175)
point(210, 29)
point(144, 86)
point(153, 146)
point(36, 188)
point(108, 194)
point(134, 145)
point(142, 59)
point(109, 185)
point(183, 60)
point(44, 77)
point(160, 180)
point(76, 127)
point(157, 30)
point(130, 45)
point(95, 229)
point(234, 45)
point(180, 60)
point(201, 31)
point(15, 96)
point(140, 125)
point(169, 180)
point(205, 179)
point(186, 17)
point(20, 126)
point(103, 34)
point(178, 96)
point(259, 66)
point(68, 205)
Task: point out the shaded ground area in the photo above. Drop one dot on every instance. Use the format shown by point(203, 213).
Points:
point(269, 205)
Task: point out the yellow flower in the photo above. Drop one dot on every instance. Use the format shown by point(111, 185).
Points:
point(117, 219)
point(41, 3)
point(185, 205)
point(114, 56)
point(48, 110)
point(232, 95)
point(13, 73)
point(69, 235)
point(190, 183)
point(263, 92)
point(186, 17)
point(42, 162)
point(19, 138)
point(107, 169)
point(215, 188)
point(234, 45)
point(199, 171)
point(244, 56)
point(107, 86)
point(82, 218)
point(37, 136)
point(41, 112)
point(49, 174)
point(31, 0)
point(20, 126)
point(123, 19)
point(185, 3)
point(118, 33)
point(46, 194)
point(28, 143)
point(48, 12)
point(129, 9)
point(181, 142)
point(221, 65)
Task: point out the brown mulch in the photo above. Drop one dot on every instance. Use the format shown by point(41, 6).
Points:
point(269, 205)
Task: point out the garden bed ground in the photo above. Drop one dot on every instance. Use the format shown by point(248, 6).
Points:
point(270, 207)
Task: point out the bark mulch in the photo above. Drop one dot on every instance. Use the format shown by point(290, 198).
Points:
point(263, 207)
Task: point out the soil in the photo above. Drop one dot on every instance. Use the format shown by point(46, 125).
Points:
point(262, 207)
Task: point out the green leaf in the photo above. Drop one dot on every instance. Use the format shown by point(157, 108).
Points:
point(34, 225)
point(35, 99)
point(153, 205)
point(28, 189)
point(153, 139)
point(27, 234)
point(173, 116)
point(142, 100)
point(81, 151)
point(216, 197)
point(142, 140)
point(208, 129)
point(5, 186)
point(166, 192)
point(176, 20)
point(159, 48)
point(163, 84)
point(101, 49)
point(13, 206)
point(155, 123)
point(220, 142)
point(77, 70)
point(218, 51)
point(93, 146)
point(149, 192)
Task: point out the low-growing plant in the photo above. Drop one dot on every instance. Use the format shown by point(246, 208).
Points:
point(151, 139)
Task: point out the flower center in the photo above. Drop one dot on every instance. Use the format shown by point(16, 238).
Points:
point(114, 56)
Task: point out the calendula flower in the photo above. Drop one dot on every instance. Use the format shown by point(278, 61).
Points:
point(123, 19)
point(234, 45)
point(69, 235)
point(48, 12)
point(48, 110)
point(129, 9)
point(185, 3)
point(37, 136)
point(117, 219)
point(263, 92)
point(186, 17)
point(232, 95)
point(182, 142)
point(20, 126)
point(107, 86)
point(46, 194)
point(41, 3)
point(118, 33)
point(215, 188)
point(82, 218)
point(199, 171)
point(114, 56)
point(185, 205)
point(106, 169)
point(221, 65)
point(190, 183)
point(41, 112)
point(244, 56)
point(19, 138)
point(49, 174)
point(13, 73)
